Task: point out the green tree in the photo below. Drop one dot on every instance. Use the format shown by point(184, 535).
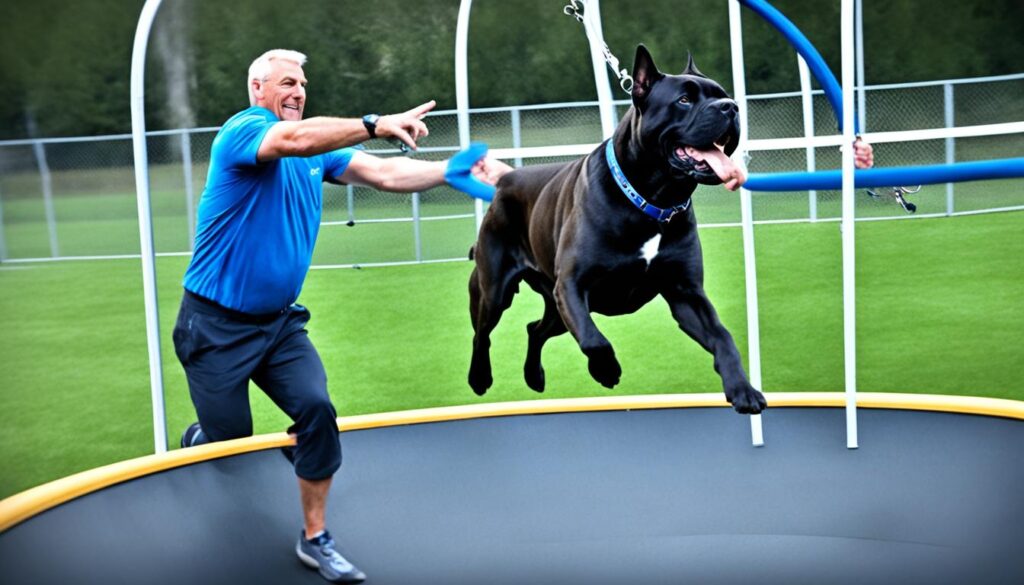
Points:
point(69, 62)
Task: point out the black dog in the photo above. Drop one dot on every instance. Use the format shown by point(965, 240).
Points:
point(611, 231)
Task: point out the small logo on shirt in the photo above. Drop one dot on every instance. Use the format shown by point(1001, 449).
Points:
point(314, 171)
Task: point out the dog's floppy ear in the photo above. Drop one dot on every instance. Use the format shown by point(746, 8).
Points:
point(645, 75)
point(691, 68)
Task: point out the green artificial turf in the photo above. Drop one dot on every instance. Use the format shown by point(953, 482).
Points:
point(938, 310)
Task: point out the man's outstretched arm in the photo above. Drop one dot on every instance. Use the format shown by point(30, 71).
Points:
point(404, 175)
point(323, 134)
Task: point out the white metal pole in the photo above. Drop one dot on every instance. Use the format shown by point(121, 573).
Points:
point(739, 91)
point(849, 259)
point(808, 106)
point(462, 88)
point(861, 86)
point(47, 185)
point(947, 92)
point(595, 37)
point(146, 221)
point(190, 200)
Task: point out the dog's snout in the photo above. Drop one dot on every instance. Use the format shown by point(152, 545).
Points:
point(728, 107)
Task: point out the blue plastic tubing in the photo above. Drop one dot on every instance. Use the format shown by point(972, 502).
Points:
point(921, 175)
point(832, 180)
point(815, 63)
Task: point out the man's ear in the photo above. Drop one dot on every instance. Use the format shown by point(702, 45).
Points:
point(645, 75)
point(257, 88)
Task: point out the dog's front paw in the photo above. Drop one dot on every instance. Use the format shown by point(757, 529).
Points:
point(746, 400)
point(603, 366)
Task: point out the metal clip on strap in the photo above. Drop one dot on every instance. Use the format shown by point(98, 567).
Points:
point(572, 9)
point(625, 80)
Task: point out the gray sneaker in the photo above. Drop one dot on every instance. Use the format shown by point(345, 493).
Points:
point(193, 436)
point(320, 554)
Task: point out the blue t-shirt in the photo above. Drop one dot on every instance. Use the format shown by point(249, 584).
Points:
point(257, 221)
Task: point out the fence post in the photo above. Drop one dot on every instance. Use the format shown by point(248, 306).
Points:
point(517, 137)
point(3, 240)
point(947, 90)
point(51, 216)
point(186, 165)
point(351, 202)
point(416, 226)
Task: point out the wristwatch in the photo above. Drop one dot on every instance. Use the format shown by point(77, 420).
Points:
point(370, 121)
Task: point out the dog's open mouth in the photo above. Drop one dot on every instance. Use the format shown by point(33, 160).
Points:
point(712, 162)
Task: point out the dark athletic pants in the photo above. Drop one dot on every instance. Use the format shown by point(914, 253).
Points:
point(221, 350)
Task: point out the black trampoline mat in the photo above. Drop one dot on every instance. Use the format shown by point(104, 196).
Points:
point(649, 496)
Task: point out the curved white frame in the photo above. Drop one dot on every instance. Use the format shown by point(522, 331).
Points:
point(592, 23)
point(156, 374)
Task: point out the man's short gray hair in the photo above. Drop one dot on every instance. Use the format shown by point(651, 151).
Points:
point(260, 68)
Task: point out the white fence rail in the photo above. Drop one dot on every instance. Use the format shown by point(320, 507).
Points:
point(74, 197)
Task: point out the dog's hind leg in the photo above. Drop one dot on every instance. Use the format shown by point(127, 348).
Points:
point(480, 378)
point(474, 297)
point(492, 285)
point(538, 332)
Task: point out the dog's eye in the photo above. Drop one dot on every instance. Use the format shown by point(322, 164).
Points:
point(684, 100)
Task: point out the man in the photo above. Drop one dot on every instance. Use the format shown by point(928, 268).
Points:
point(258, 221)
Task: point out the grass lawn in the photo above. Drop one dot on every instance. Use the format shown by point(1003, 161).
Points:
point(939, 311)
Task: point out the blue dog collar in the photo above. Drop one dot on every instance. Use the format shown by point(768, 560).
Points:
point(631, 194)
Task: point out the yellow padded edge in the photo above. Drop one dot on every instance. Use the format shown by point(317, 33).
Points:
point(24, 505)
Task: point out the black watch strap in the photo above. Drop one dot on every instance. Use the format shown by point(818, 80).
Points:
point(370, 122)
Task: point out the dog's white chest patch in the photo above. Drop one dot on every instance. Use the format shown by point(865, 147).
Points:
point(650, 248)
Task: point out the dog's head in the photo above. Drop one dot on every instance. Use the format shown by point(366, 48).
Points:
point(687, 119)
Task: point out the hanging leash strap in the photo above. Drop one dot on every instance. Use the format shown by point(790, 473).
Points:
point(577, 10)
point(631, 194)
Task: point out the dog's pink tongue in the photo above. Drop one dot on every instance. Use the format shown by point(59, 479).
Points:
point(720, 163)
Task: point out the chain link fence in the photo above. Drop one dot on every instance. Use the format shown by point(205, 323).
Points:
point(62, 198)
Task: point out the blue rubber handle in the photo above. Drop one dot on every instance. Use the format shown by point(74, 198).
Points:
point(457, 174)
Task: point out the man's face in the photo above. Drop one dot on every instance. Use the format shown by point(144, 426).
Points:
point(283, 91)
